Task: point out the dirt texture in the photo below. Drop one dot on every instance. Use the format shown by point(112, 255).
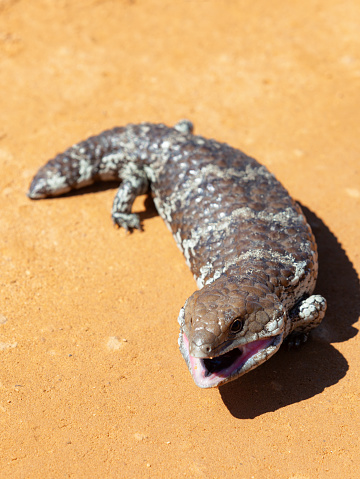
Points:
point(92, 383)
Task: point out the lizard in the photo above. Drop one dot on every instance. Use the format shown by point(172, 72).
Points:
point(246, 241)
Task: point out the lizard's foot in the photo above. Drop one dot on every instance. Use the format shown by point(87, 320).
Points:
point(184, 126)
point(129, 221)
point(295, 340)
point(307, 314)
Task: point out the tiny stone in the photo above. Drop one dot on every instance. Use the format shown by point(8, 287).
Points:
point(7, 345)
point(114, 344)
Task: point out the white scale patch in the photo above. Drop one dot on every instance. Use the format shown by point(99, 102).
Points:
point(150, 173)
point(188, 246)
point(85, 170)
point(110, 163)
point(57, 183)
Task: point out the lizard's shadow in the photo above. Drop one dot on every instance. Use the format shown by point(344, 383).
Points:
point(292, 376)
point(149, 210)
point(295, 375)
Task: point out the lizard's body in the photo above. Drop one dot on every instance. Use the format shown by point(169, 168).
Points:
point(245, 240)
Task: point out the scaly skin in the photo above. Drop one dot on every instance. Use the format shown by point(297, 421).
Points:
point(246, 241)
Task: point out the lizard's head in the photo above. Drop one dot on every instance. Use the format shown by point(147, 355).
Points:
point(228, 328)
point(50, 180)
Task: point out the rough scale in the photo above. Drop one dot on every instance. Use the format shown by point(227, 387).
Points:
point(246, 241)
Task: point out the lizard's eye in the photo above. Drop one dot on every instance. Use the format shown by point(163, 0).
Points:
point(236, 326)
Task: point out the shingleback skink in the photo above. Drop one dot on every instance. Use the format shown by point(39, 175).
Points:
point(244, 238)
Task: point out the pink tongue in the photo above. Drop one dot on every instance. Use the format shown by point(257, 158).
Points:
point(201, 375)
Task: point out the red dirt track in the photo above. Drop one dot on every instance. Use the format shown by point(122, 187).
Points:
point(92, 383)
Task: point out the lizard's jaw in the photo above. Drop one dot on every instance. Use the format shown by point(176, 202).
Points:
point(212, 372)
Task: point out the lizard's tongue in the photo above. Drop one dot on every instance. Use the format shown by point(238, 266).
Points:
point(213, 372)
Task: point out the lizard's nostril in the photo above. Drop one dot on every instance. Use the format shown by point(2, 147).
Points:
point(206, 349)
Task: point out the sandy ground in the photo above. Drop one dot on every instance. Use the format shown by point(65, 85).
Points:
point(91, 381)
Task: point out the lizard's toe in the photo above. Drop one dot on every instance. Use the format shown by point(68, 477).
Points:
point(128, 221)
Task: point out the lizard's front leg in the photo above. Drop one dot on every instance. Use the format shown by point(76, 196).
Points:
point(306, 315)
point(134, 183)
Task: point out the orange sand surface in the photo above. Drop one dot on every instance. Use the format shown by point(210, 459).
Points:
point(91, 380)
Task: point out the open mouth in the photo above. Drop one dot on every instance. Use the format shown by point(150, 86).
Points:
point(216, 365)
point(212, 372)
